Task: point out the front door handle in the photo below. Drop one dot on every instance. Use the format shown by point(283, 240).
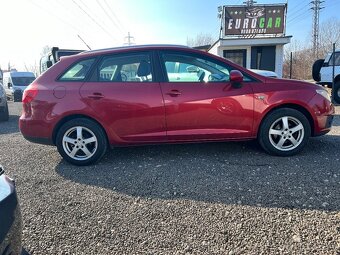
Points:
point(96, 96)
point(174, 93)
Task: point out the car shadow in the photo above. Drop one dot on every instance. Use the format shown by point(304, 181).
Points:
point(25, 252)
point(229, 173)
point(10, 126)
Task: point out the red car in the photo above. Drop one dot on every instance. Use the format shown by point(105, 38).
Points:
point(167, 94)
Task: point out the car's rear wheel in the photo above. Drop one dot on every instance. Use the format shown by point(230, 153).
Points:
point(81, 141)
point(4, 114)
point(336, 92)
point(284, 132)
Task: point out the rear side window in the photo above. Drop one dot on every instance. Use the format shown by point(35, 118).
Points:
point(125, 68)
point(78, 71)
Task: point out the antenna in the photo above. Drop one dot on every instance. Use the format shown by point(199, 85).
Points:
point(84, 42)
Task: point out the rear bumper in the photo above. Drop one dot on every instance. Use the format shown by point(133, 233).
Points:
point(35, 131)
point(10, 219)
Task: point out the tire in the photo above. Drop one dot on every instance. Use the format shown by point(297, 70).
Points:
point(4, 114)
point(284, 132)
point(81, 142)
point(336, 92)
point(316, 69)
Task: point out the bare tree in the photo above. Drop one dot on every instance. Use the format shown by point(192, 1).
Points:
point(34, 68)
point(46, 49)
point(200, 40)
point(329, 34)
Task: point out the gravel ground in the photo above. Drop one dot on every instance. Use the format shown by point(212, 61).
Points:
point(216, 198)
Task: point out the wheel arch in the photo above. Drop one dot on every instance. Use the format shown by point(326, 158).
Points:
point(71, 117)
point(297, 107)
point(337, 78)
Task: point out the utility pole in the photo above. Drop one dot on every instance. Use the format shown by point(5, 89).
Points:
point(250, 2)
point(316, 7)
point(129, 40)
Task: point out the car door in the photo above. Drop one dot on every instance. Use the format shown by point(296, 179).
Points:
point(125, 95)
point(200, 102)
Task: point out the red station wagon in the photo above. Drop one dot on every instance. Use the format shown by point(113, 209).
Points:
point(167, 94)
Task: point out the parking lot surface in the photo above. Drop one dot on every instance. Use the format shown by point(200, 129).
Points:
point(213, 198)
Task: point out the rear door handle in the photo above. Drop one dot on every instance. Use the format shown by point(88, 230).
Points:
point(96, 96)
point(174, 93)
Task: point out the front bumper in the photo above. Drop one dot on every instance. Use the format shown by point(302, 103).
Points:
point(323, 111)
point(10, 218)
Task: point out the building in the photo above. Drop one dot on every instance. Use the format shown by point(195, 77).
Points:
point(253, 36)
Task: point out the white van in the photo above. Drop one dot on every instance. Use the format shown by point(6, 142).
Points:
point(15, 83)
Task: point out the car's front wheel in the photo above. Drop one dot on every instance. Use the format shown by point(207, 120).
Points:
point(284, 132)
point(81, 141)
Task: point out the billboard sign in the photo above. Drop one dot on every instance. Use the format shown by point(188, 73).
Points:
point(254, 20)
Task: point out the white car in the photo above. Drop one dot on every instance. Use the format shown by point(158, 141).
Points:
point(322, 71)
point(16, 82)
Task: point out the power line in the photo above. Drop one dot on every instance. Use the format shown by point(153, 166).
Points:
point(90, 17)
point(298, 11)
point(109, 16)
point(294, 8)
point(53, 14)
point(115, 16)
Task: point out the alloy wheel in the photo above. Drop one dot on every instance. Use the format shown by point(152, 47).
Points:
point(79, 143)
point(286, 133)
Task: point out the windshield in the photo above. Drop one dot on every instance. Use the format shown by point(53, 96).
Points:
point(22, 81)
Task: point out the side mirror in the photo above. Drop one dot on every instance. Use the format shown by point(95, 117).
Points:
point(236, 78)
point(193, 69)
point(48, 63)
point(9, 85)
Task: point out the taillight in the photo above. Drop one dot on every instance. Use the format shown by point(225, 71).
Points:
point(29, 94)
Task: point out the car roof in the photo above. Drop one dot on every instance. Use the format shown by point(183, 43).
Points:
point(132, 47)
point(145, 46)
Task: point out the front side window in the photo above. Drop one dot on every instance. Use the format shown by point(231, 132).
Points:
point(128, 68)
point(336, 60)
point(78, 71)
point(187, 68)
point(191, 68)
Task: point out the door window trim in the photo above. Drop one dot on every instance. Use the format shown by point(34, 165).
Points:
point(197, 55)
point(94, 73)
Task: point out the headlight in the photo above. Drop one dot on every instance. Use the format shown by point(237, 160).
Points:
point(324, 93)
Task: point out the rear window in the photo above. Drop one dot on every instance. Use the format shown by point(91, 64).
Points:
point(78, 71)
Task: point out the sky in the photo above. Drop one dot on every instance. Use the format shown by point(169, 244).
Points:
point(27, 26)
